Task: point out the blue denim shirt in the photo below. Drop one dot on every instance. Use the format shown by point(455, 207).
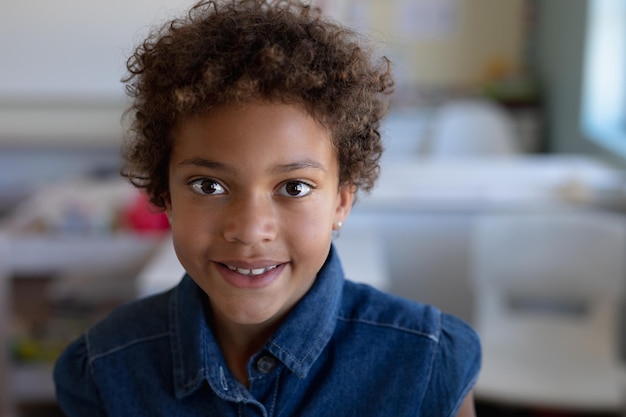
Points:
point(346, 349)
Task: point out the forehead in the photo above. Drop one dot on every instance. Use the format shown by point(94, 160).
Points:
point(254, 130)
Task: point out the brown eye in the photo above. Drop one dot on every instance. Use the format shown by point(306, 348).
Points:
point(207, 186)
point(295, 189)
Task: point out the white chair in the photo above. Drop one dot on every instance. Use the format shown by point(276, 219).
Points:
point(548, 293)
point(470, 128)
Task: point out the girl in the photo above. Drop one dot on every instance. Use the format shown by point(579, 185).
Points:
point(255, 123)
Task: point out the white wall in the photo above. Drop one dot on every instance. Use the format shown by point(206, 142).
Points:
point(72, 48)
point(62, 61)
point(61, 66)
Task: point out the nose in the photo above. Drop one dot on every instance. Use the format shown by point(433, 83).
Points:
point(250, 220)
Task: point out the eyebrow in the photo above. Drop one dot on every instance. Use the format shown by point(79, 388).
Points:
point(293, 166)
point(304, 164)
point(206, 163)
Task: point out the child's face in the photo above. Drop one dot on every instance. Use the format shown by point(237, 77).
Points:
point(254, 196)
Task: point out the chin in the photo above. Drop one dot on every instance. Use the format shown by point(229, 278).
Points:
point(250, 317)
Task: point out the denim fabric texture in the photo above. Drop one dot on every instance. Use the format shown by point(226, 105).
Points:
point(346, 349)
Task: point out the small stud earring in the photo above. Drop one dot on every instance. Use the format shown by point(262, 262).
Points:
point(336, 229)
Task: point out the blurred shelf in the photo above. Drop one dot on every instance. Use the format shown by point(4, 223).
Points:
point(91, 265)
point(32, 383)
point(43, 253)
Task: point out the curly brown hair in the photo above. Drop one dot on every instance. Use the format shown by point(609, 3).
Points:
point(244, 50)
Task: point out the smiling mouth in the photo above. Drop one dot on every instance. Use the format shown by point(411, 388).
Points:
point(250, 272)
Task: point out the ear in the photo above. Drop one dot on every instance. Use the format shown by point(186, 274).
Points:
point(345, 199)
point(168, 206)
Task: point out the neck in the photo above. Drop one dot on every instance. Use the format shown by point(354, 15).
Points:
point(239, 342)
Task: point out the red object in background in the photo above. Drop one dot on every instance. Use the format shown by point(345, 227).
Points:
point(143, 216)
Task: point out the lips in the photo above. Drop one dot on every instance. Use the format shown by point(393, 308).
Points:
point(250, 276)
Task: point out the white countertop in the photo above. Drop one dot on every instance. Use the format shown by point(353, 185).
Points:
point(475, 183)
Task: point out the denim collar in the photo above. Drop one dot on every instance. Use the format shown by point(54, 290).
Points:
point(297, 343)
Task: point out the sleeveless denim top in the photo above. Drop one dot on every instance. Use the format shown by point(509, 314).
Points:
point(345, 349)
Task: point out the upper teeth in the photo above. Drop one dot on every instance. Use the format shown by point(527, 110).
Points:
point(257, 271)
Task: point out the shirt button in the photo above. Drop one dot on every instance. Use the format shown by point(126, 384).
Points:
point(265, 364)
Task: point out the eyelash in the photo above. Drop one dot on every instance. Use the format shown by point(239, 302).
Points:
point(197, 186)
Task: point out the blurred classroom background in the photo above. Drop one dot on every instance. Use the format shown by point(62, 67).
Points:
point(501, 200)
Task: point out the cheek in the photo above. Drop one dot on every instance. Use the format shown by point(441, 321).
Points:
point(311, 231)
point(191, 242)
point(190, 227)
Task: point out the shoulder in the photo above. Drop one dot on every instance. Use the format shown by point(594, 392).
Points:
point(78, 384)
point(138, 321)
point(439, 352)
point(450, 358)
point(455, 367)
point(362, 304)
point(453, 342)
